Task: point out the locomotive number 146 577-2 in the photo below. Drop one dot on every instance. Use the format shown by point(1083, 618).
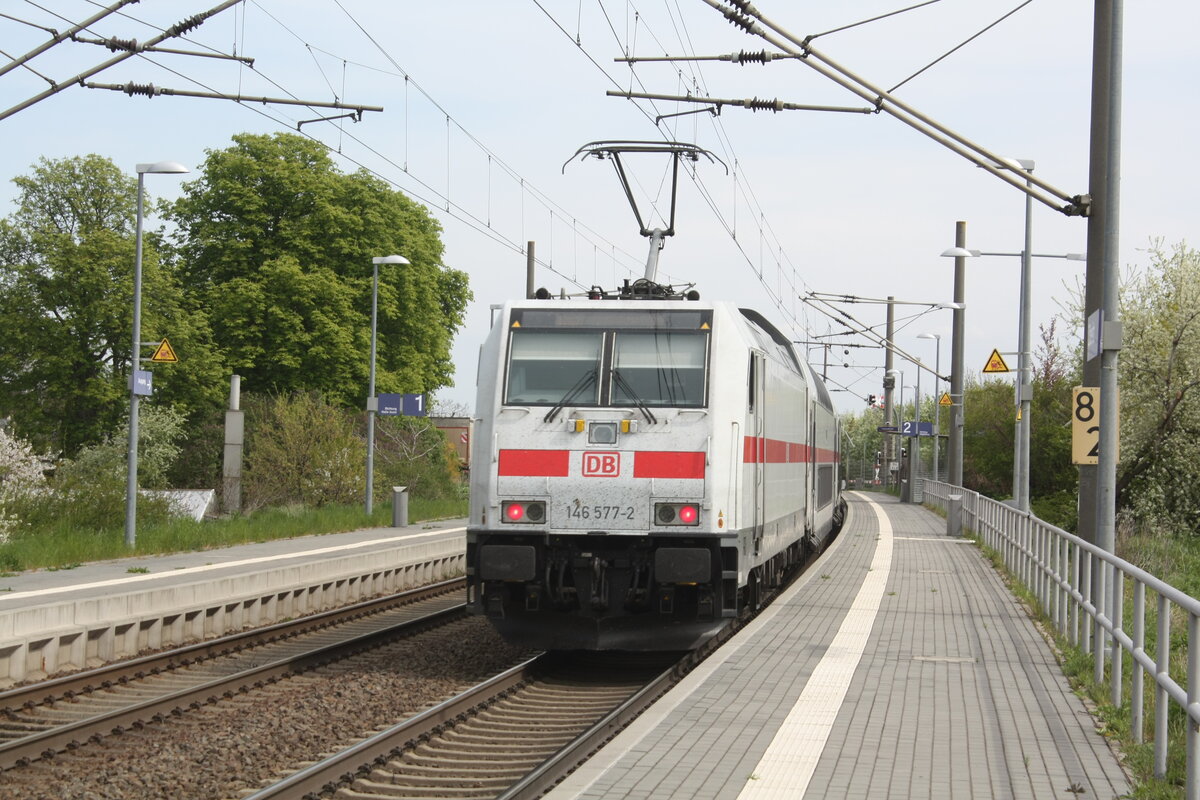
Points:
point(580, 511)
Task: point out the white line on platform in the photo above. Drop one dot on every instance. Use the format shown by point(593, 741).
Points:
point(790, 760)
point(207, 567)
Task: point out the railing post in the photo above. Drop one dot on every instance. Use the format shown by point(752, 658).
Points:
point(1074, 553)
point(1161, 698)
point(1116, 668)
point(1192, 789)
point(1098, 574)
point(1137, 687)
point(1085, 589)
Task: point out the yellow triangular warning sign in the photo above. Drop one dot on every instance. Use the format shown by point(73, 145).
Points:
point(945, 400)
point(704, 326)
point(164, 353)
point(516, 324)
point(996, 363)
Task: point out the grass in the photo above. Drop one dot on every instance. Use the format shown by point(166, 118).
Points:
point(1176, 560)
point(64, 548)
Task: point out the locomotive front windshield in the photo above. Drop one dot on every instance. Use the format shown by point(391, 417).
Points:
point(608, 358)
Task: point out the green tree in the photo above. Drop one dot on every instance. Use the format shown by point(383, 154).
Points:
point(279, 243)
point(66, 305)
point(988, 430)
point(1159, 372)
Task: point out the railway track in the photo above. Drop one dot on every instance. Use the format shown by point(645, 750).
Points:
point(512, 736)
point(46, 718)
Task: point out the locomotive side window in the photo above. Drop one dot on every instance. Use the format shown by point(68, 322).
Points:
point(547, 366)
point(659, 368)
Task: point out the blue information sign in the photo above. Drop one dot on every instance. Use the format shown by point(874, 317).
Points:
point(911, 428)
point(143, 382)
point(401, 405)
point(414, 405)
point(389, 405)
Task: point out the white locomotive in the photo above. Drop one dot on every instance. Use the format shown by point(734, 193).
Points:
point(645, 465)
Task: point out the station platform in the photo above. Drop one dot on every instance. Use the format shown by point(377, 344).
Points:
point(67, 619)
point(897, 666)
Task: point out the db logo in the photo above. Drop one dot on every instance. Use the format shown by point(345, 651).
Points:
point(601, 465)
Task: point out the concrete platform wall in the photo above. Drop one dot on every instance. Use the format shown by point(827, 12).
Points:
point(66, 633)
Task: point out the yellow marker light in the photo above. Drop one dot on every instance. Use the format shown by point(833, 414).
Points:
point(624, 426)
point(578, 425)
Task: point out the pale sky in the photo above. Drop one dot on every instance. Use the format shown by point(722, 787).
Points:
point(484, 102)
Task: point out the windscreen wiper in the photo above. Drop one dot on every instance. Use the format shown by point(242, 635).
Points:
point(637, 401)
point(584, 381)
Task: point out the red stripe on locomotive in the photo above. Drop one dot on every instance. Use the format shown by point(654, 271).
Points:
point(668, 464)
point(534, 463)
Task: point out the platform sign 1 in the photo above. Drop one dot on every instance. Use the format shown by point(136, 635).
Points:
point(389, 405)
point(414, 405)
point(401, 405)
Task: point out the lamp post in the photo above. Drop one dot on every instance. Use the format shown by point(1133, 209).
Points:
point(937, 409)
point(372, 400)
point(1024, 383)
point(157, 168)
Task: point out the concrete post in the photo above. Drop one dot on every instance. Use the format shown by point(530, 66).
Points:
point(399, 506)
point(954, 509)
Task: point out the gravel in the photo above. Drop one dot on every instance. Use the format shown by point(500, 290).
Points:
point(232, 748)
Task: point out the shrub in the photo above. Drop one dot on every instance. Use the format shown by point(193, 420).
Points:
point(410, 451)
point(300, 449)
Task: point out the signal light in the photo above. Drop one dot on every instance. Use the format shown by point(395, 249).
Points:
point(530, 512)
point(677, 513)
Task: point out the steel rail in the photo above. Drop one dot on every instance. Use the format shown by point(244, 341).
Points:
point(22, 751)
point(68, 686)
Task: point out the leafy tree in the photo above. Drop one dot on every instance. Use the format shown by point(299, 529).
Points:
point(1159, 378)
point(988, 430)
point(66, 306)
point(279, 244)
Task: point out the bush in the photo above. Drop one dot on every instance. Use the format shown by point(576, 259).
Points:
point(410, 451)
point(300, 449)
point(88, 493)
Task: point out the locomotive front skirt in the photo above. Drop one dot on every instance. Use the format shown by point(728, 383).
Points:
point(642, 471)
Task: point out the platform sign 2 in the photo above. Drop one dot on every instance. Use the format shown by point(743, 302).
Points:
point(1085, 425)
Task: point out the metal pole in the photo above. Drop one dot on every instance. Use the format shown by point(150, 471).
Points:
point(954, 455)
point(916, 462)
point(530, 263)
point(1097, 223)
point(1024, 361)
point(1106, 494)
point(131, 484)
point(889, 382)
point(937, 409)
point(372, 403)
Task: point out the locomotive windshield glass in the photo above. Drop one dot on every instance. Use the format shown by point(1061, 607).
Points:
point(547, 366)
point(659, 369)
point(608, 357)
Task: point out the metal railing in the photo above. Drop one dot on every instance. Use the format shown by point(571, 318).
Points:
point(1069, 576)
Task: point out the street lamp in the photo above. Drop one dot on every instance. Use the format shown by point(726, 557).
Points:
point(157, 168)
point(372, 400)
point(937, 409)
point(1024, 382)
